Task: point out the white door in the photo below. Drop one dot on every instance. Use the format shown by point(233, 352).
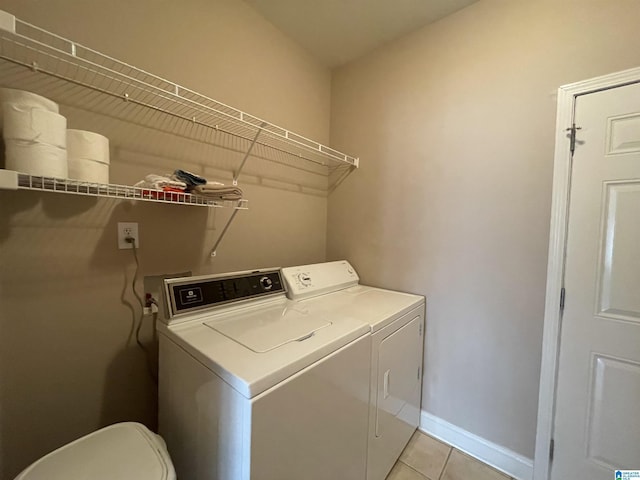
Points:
point(597, 421)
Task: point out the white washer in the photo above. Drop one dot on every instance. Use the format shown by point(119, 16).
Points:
point(396, 320)
point(254, 386)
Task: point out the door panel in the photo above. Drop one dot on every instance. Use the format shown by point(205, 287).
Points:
point(620, 264)
point(611, 377)
point(597, 420)
point(622, 134)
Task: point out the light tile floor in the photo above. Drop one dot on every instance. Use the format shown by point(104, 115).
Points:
point(426, 458)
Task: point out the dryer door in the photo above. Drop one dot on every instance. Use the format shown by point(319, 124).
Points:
point(399, 372)
point(397, 396)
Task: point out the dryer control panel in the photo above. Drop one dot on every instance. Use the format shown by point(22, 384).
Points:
point(319, 278)
point(190, 294)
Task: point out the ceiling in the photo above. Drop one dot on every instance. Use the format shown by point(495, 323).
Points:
point(338, 31)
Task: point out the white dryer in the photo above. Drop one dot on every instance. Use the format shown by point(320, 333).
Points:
point(397, 321)
point(253, 386)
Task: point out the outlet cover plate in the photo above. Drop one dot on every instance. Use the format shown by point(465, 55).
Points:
point(127, 229)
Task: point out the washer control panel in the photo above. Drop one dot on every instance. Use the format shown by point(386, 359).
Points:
point(311, 280)
point(196, 293)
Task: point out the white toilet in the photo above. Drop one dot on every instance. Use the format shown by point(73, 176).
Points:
point(124, 451)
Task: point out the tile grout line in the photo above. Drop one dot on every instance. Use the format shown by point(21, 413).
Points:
point(444, 467)
point(452, 449)
point(415, 470)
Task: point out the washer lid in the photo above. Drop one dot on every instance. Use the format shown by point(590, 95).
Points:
point(229, 343)
point(270, 328)
point(126, 451)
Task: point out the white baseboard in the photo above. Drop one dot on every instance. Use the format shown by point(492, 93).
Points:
point(503, 459)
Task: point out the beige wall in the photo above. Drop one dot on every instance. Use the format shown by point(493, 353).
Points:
point(454, 125)
point(67, 362)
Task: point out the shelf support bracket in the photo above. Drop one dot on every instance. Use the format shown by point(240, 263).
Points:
point(224, 231)
point(246, 155)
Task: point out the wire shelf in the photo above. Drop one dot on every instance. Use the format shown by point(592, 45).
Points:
point(71, 74)
point(122, 192)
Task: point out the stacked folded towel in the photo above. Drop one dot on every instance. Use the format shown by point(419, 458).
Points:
point(160, 182)
point(181, 181)
point(218, 190)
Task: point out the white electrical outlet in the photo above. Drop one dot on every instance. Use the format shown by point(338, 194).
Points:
point(154, 285)
point(127, 230)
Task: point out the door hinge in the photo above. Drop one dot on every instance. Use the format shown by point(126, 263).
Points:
point(562, 295)
point(552, 446)
point(572, 137)
point(420, 330)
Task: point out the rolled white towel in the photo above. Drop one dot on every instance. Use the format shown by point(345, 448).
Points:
point(25, 100)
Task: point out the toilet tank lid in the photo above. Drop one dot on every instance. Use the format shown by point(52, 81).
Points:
point(126, 451)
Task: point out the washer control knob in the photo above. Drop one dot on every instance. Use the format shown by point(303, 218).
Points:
point(304, 279)
point(266, 283)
